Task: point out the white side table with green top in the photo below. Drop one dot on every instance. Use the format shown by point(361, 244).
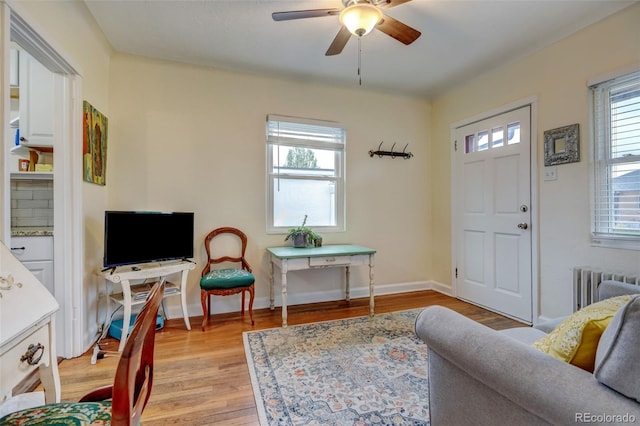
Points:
point(332, 255)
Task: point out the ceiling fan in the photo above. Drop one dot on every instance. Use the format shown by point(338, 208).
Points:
point(358, 18)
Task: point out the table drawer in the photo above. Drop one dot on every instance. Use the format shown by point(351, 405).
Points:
point(12, 370)
point(315, 262)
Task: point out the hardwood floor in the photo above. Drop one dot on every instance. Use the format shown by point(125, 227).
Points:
point(202, 378)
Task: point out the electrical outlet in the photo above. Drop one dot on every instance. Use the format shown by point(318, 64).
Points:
point(551, 173)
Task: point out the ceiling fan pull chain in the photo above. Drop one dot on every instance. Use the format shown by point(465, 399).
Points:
point(360, 61)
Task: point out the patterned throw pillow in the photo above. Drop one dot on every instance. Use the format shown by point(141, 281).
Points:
point(576, 339)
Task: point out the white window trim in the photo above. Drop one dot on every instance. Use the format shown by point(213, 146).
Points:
point(601, 239)
point(340, 179)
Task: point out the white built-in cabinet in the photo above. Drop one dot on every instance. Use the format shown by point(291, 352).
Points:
point(36, 103)
point(36, 253)
point(36, 112)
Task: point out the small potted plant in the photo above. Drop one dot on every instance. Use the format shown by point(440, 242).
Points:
point(303, 236)
point(316, 239)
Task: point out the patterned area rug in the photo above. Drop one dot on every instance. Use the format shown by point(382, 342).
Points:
point(356, 371)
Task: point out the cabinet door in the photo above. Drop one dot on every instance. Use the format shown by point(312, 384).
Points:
point(36, 102)
point(43, 271)
point(14, 80)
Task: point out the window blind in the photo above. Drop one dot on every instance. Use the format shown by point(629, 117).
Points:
point(616, 130)
point(305, 132)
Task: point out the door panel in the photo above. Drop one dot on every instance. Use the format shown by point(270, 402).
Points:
point(474, 256)
point(493, 192)
point(507, 252)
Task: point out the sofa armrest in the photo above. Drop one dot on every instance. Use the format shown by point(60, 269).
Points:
point(535, 382)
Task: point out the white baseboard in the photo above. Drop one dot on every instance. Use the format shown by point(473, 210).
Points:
point(231, 304)
point(542, 319)
point(442, 288)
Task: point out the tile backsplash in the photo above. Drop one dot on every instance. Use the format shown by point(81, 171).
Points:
point(31, 203)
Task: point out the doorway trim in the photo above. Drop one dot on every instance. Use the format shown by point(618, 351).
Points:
point(533, 103)
point(68, 219)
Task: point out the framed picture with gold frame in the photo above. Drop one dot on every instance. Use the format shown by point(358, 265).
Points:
point(94, 145)
point(562, 145)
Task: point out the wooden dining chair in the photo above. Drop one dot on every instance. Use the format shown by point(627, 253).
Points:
point(120, 404)
point(226, 281)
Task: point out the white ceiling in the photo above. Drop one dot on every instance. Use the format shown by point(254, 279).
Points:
point(460, 39)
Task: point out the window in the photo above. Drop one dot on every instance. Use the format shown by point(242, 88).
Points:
point(497, 138)
point(305, 174)
point(616, 173)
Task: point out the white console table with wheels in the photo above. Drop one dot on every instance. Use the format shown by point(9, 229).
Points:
point(157, 270)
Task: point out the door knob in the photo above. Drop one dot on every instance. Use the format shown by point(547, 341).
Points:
point(523, 225)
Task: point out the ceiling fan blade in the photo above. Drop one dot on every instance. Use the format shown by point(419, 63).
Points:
point(386, 4)
point(339, 42)
point(300, 14)
point(396, 29)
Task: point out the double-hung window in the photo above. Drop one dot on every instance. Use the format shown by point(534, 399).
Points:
point(305, 174)
point(616, 173)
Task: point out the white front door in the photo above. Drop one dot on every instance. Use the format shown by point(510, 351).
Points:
point(492, 213)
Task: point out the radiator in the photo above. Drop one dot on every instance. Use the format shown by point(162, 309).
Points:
point(587, 280)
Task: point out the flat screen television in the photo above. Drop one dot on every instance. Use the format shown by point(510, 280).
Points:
point(132, 237)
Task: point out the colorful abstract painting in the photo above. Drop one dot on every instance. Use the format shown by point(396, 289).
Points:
point(94, 145)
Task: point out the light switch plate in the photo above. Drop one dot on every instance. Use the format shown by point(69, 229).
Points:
point(551, 173)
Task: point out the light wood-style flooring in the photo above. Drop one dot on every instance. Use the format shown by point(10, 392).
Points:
point(202, 378)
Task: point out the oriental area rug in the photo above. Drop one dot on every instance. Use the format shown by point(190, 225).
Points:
point(355, 371)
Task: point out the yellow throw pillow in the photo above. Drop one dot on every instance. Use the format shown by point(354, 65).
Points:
point(576, 339)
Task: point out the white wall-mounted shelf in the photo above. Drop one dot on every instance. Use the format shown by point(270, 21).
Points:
point(24, 148)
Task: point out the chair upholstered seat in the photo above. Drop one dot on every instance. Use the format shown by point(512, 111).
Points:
point(62, 414)
point(226, 278)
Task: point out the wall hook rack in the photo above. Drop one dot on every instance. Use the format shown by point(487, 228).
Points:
point(393, 154)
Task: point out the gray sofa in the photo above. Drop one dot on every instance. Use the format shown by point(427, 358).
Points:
point(479, 376)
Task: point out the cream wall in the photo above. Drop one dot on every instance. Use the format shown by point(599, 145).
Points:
point(71, 30)
point(189, 138)
point(557, 77)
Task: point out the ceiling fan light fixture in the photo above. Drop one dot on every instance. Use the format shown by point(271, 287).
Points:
point(360, 18)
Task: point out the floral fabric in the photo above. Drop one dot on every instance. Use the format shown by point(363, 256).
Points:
point(62, 414)
point(576, 339)
point(226, 278)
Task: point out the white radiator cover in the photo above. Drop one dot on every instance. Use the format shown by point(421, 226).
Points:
point(586, 281)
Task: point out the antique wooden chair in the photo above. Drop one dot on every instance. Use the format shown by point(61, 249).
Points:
point(120, 404)
point(225, 282)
